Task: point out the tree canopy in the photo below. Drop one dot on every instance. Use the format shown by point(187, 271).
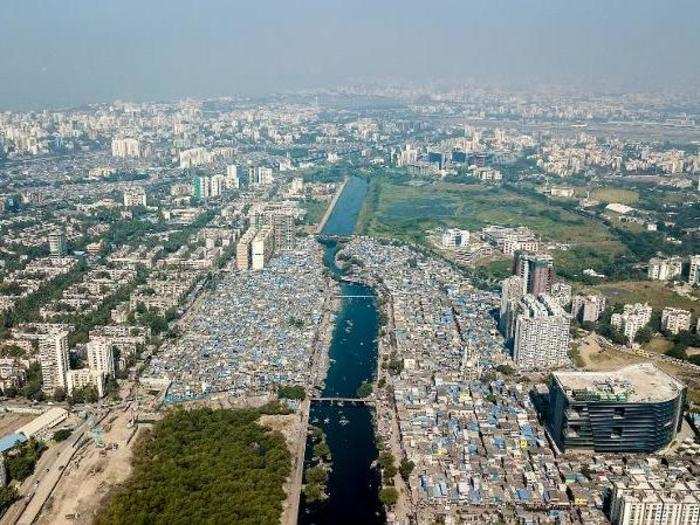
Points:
point(204, 466)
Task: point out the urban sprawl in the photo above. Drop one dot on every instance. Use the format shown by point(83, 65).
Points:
point(538, 360)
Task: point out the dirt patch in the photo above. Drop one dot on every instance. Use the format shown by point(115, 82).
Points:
point(10, 422)
point(597, 359)
point(91, 475)
point(658, 345)
point(287, 425)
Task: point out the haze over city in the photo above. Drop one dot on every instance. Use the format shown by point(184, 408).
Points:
point(74, 52)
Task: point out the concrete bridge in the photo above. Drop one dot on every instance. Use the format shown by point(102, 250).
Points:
point(336, 400)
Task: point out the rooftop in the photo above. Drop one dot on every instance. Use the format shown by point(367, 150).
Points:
point(640, 383)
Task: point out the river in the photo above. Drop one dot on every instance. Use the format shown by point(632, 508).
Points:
point(353, 484)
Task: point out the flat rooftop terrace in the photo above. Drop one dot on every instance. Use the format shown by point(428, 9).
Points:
point(639, 383)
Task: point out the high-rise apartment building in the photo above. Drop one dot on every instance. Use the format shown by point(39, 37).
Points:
point(694, 273)
point(281, 218)
point(125, 147)
point(260, 176)
point(587, 308)
point(217, 184)
point(244, 254)
point(57, 244)
point(542, 337)
point(232, 181)
point(100, 357)
point(537, 271)
point(511, 294)
point(208, 187)
point(262, 247)
point(53, 359)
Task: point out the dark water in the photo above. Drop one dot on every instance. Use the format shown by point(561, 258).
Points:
point(353, 484)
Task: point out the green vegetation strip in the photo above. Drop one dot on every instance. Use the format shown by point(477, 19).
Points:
point(204, 466)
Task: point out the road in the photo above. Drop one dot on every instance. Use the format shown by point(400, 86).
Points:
point(26, 510)
point(291, 512)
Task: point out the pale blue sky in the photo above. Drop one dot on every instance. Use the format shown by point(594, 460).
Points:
point(68, 52)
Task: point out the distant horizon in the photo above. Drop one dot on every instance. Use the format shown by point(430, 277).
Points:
point(75, 52)
point(531, 87)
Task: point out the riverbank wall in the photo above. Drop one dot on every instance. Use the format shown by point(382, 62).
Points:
point(331, 207)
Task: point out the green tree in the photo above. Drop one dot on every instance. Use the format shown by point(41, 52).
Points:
point(8, 495)
point(389, 496)
point(364, 390)
point(644, 335)
point(405, 468)
point(291, 392)
point(62, 435)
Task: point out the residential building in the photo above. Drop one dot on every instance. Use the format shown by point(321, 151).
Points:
point(100, 357)
point(633, 317)
point(134, 197)
point(53, 358)
point(664, 269)
point(244, 255)
point(82, 377)
point(537, 271)
point(650, 502)
point(12, 373)
point(542, 337)
point(262, 247)
point(511, 294)
point(510, 240)
point(125, 147)
point(561, 291)
point(57, 244)
point(232, 181)
point(637, 408)
point(694, 273)
point(675, 320)
point(260, 176)
point(587, 308)
point(297, 187)
point(281, 218)
point(455, 238)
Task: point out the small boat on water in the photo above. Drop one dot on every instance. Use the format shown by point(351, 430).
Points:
point(344, 421)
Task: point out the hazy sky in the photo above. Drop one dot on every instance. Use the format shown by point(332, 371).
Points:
point(68, 52)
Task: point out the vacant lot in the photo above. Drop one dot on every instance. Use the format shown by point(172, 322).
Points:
point(620, 195)
point(397, 209)
point(594, 358)
point(10, 422)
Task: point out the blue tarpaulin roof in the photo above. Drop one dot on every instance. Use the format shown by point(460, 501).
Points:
point(10, 441)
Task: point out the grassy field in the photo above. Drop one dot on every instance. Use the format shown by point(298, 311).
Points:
point(653, 292)
point(397, 209)
point(620, 195)
point(658, 345)
point(315, 209)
